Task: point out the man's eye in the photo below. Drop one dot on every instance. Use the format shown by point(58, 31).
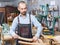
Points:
point(22, 9)
point(25, 8)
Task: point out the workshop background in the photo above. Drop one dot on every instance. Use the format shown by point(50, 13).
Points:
point(47, 13)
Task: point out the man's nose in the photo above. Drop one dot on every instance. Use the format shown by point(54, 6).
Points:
point(24, 10)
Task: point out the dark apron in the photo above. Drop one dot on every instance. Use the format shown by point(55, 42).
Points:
point(24, 30)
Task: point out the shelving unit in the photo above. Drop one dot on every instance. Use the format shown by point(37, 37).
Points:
point(42, 17)
point(2, 15)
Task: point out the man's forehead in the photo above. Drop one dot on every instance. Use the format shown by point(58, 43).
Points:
point(22, 4)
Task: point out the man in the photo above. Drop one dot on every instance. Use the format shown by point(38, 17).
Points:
point(24, 22)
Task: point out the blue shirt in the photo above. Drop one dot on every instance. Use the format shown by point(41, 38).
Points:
point(26, 20)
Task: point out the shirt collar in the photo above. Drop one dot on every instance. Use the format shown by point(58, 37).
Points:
point(20, 14)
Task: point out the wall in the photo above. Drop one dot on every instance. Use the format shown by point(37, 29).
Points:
point(16, 2)
point(43, 2)
point(3, 4)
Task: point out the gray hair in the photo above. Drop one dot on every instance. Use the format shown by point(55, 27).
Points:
point(21, 2)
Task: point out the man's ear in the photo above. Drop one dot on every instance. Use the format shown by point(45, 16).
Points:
point(18, 8)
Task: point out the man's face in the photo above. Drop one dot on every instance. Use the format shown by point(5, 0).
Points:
point(22, 8)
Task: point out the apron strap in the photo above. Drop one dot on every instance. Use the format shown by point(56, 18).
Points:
point(18, 19)
point(30, 18)
point(18, 26)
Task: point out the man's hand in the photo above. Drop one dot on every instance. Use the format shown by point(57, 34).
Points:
point(35, 39)
point(15, 36)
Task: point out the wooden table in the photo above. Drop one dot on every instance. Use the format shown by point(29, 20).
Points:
point(54, 39)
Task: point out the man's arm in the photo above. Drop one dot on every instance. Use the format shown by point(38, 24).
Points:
point(13, 27)
point(39, 27)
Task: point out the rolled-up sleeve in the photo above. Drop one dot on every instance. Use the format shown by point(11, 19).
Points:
point(13, 27)
point(38, 25)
